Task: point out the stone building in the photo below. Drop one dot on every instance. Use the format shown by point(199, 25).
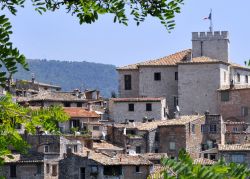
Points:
point(136, 137)
point(187, 77)
point(183, 133)
point(90, 165)
point(137, 109)
point(238, 153)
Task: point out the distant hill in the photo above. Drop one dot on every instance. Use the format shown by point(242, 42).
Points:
point(71, 75)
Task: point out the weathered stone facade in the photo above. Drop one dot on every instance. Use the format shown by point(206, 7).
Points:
point(119, 109)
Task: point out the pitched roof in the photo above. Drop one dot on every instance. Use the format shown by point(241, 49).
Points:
point(170, 60)
point(202, 60)
point(80, 112)
point(31, 157)
point(119, 159)
point(154, 156)
point(105, 145)
point(136, 99)
point(52, 96)
point(234, 147)
point(183, 120)
point(235, 65)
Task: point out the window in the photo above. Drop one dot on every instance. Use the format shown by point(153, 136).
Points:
point(212, 156)
point(176, 101)
point(235, 129)
point(157, 136)
point(193, 128)
point(225, 96)
point(79, 104)
point(131, 107)
point(82, 173)
point(112, 170)
point(46, 148)
point(148, 107)
point(47, 168)
point(74, 123)
point(172, 145)
point(246, 79)
point(66, 104)
point(238, 77)
point(96, 128)
point(54, 170)
point(176, 76)
point(39, 169)
point(127, 82)
point(238, 158)
point(12, 170)
point(156, 150)
point(138, 149)
point(225, 76)
point(75, 148)
point(94, 169)
point(213, 128)
point(244, 111)
point(157, 76)
point(203, 128)
point(137, 169)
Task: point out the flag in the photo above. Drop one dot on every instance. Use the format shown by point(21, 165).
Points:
point(209, 17)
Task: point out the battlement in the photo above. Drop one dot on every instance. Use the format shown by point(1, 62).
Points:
point(210, 35)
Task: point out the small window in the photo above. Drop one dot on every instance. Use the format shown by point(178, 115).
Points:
point(75, 148)
point(176, 101)
point(127, 82)
point(138, 149)
point(157, 76)
point(46, 148)
point(66, 104)
point(12, 170)
point(213, 128)
point(39, 169)
point(79, 104)
point(47, 168)
point(212, 156)
point(156, 150)
point(246, 79)
point(172, 145)
point(54, 170)
point(235, 129)
point(203, 128)
point(94, 169)
point(82, 173)
point(137, 169)
point(244, 111)
point(157, 136)
point(131, 107)
point(96, 128)
point(193, 128)
point(225, 96)
point(238, 77)
point(176, 76)
point(148, 107)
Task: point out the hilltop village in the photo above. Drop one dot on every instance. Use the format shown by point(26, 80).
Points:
point(196, 99)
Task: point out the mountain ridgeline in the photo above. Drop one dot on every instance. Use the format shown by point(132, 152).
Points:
point(71, 75)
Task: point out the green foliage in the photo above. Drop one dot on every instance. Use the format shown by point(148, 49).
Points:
point(184, 167)
point(12, 114)
point(9, 56)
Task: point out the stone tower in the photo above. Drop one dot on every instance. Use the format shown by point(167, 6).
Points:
point(211, 44)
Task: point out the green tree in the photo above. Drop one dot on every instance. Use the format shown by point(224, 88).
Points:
point(184, 167)
point(13, 115)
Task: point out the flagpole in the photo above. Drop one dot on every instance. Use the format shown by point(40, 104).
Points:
point(211, 21)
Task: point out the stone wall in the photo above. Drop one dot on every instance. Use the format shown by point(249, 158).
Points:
point(198, 84)
point(232, 109)
point(134, 92)
point(167, 87)
point(119, 111)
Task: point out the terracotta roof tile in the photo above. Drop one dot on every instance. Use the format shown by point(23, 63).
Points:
point(182, 121)
point(105, 145)
point(234, 65)
point(202, 60)
point(165, 61)
point(234, 147)
point(80, 112)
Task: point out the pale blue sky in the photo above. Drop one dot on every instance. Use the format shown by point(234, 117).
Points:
point(59, 36)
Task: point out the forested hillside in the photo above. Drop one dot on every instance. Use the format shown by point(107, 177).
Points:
point(71, 75)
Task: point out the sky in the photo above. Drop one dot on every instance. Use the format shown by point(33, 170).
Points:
point(59, 36)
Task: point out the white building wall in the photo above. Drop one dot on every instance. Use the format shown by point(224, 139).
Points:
point(119, 111)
